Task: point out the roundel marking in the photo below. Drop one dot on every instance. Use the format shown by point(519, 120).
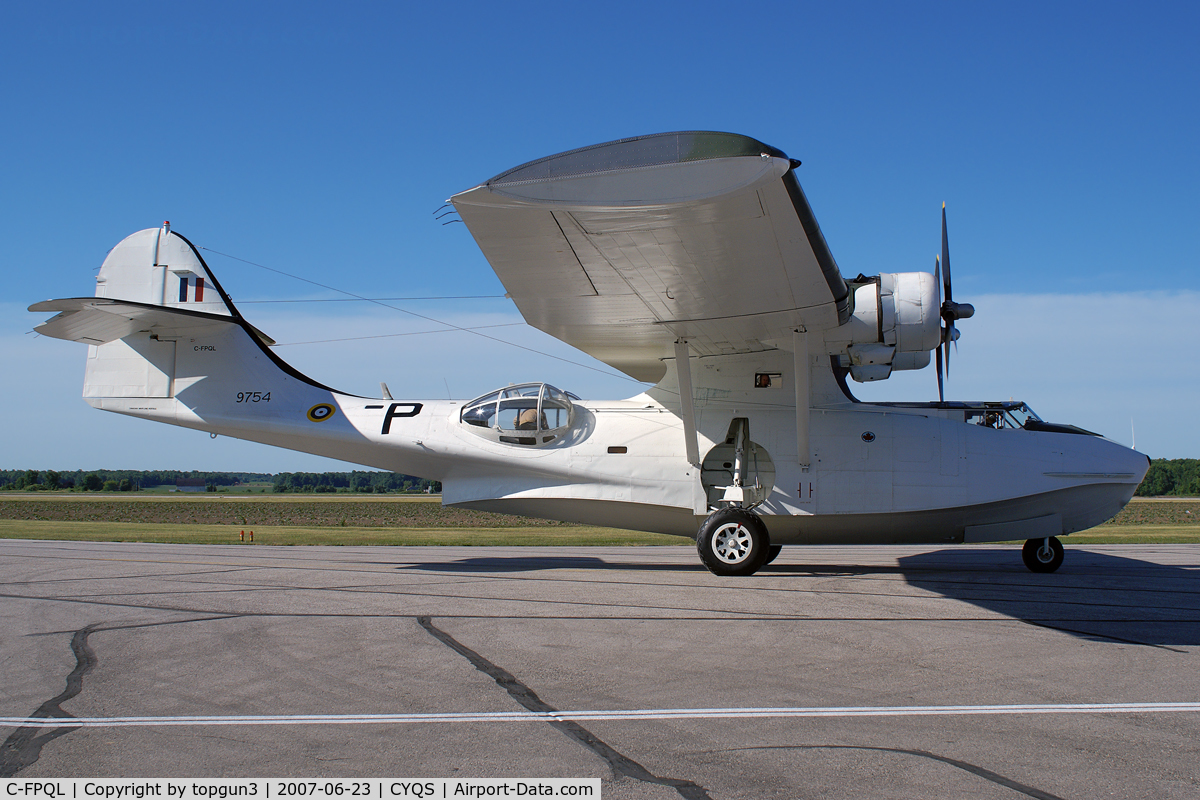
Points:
point(867, 437)
point(321, 412)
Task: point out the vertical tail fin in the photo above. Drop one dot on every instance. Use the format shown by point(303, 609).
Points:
point(159, 267)
point(165, 343)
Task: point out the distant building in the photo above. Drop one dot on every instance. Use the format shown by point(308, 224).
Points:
point(190, 485)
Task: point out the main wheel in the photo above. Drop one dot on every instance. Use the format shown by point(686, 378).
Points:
point(773, 553)
point(1042, 555)
point(733, 541)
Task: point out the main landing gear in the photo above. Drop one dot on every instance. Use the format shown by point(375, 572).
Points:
point(1042, 555)
point(734, 541)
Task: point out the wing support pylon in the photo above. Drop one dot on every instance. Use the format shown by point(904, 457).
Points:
point(687, 403)
point(803, 387)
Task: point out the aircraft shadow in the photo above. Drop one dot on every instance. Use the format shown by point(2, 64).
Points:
point(536, 563)
point(1095, 596)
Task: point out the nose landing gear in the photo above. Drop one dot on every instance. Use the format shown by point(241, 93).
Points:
point(1042, 555)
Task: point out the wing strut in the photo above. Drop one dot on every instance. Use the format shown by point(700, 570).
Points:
point(683, 367)
point(803, 381)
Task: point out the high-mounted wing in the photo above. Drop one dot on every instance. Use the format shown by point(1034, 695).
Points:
point(623, 248)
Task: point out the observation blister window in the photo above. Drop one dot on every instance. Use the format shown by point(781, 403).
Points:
point(529, 414)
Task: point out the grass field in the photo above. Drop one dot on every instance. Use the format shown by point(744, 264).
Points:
point(398, 520)
point(574, 535)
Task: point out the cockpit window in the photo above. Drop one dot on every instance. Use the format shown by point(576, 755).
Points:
point(999, 415)
point(527, 414)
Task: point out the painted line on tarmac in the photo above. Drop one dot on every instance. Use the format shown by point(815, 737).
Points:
point(631, 714)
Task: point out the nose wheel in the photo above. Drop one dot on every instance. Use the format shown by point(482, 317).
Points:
point(733, 541)
point(1042, 555)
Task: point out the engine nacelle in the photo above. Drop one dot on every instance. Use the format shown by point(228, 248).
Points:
point(896, 322)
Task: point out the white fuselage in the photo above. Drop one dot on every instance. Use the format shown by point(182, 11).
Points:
point(876, 473)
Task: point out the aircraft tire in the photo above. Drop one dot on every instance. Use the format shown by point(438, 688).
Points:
point(733, 541)
point(1042, 555)
point(773, 553)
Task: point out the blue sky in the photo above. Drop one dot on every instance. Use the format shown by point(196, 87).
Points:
point(318, 140)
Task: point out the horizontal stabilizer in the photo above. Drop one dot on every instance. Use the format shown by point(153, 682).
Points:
point(98, 320)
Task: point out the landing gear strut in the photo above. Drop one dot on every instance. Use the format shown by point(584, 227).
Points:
point(1042, 555)
point(733, 541)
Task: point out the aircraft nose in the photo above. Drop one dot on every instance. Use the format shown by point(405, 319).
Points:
point(1141, 463)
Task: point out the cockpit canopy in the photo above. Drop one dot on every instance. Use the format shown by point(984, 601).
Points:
point(530, 414)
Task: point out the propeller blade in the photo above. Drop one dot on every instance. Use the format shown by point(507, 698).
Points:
point(951, 332)
point(941, 393)
point(937, 285)
point(937, 280)
point(949, 310)
point(946, 296)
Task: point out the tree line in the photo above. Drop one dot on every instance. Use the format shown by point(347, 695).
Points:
point(356, 481)
point(131, 480)
point(1177, 477)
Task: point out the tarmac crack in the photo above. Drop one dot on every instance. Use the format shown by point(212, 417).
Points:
point(24, 746)
point(986, 774)
point(620, 764)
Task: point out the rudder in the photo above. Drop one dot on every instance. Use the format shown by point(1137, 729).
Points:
point(159, 267)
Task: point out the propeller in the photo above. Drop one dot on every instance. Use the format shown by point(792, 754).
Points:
point(951, 311)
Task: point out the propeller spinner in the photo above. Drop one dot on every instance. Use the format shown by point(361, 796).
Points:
point(950, 310)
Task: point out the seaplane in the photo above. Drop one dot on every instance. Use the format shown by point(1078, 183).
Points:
point(691, 261)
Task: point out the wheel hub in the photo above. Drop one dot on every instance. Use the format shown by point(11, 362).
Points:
point(732, 543)
point(1045, 553)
